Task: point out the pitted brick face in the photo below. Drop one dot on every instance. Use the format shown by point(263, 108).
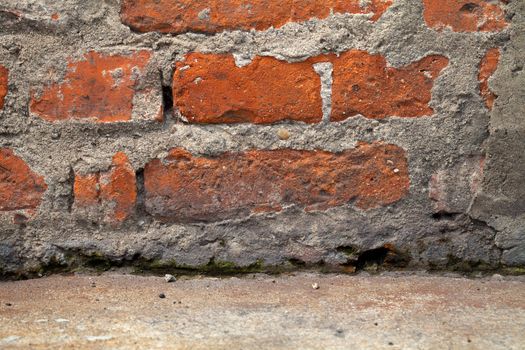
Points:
point(20, 187)
point(487, 68)
point(3, 85)
point(465, 15)
point(115, 191)
point(212, 89)
point(99, 88)
point(363, 84)
point(212, 16)
point(183, 187)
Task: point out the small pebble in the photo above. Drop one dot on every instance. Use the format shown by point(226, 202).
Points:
point(315, 286)
point(396, 171)
point(162, 295)
point(497, 277)
point(283, 134)
point(169, 278)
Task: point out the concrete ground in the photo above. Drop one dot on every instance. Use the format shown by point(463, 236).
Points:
point(390, 311)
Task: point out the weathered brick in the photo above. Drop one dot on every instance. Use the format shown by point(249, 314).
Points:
point(20, 187)
point(102, 88)
point(210, 88)
point(113, 192)
point(183, 187)
point(488, 66)
point(211, 16)
point(3, 85)
point(465, 15)
point(363, 84)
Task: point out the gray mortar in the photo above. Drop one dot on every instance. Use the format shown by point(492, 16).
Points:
point(325, 71)
point(488, 232)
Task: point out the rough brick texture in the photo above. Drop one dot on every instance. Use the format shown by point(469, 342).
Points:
point(3, 84)
point(364, 84)
point(183, 187)
point(113, 191)
point(20, 187)
point(100, 88)
point(465, 15)
point(212, 89)
point(211, 16)
point(488, 66)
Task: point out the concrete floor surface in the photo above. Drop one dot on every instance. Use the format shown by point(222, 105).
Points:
point(392, 311)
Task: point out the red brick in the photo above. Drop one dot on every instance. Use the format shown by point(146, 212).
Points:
point(363, 84)
point(20, 187)
point(183, 187)
point(3, 85)
point(100, 88)
point(114, 191)
point(465, 15)
point(211, 16)
point(210, 88)
point(488, 66)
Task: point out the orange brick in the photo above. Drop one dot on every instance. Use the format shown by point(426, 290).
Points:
point(212, 89)
point(20, 187)
point(211, 16)
point(363, 84)
point(99, 88)
point(115, 190)
point(488, 66)
point(183, 187)
point(465, 15)
point(3, 85)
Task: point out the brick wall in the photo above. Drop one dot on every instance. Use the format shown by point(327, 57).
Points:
point(257, 133)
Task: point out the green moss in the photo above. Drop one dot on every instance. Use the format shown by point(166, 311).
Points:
point(97, 261)
point(350, 251)
point(516, 271)
point(213, 267)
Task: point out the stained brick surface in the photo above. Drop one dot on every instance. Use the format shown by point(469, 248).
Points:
point(183, 187)
point(177, 16)
point(3, 85)
point(114, 191)
point(465, 15)
point(364, 84)
point(488, 66)
point(98, 88)
point(212, 89)
point(20, 187)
